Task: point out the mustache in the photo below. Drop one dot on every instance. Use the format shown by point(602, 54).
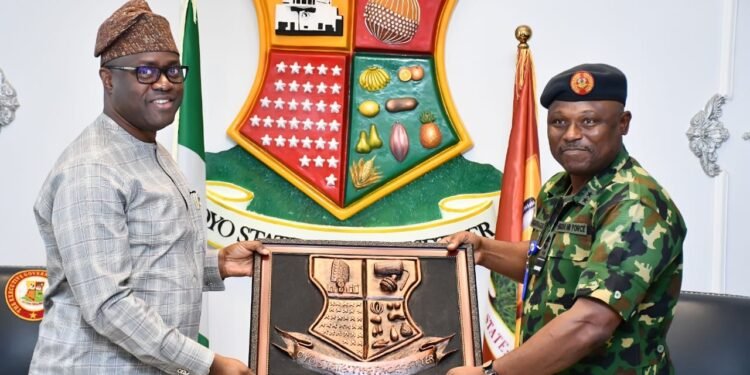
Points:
point(574, 147)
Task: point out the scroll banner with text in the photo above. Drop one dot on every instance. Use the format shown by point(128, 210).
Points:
point(228, 220)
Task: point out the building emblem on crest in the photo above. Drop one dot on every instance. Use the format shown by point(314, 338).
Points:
point(24, 294)
point(351, 101)
point(308, 17)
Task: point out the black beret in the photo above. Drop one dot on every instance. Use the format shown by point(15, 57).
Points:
point(586, 82)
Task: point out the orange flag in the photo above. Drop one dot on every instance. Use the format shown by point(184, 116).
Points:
point(520, 186)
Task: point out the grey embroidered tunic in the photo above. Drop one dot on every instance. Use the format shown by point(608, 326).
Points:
point(126, 260)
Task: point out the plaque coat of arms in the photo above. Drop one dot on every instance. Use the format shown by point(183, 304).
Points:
point(348, 308)
point(366, 314)
point(350, 101)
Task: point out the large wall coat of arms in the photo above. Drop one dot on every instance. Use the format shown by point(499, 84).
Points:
point(351, 101)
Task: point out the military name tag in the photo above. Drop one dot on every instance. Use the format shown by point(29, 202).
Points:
point(574, 228)
point(363, 308)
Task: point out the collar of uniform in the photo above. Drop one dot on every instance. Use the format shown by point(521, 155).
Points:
point(561, 183)
point(605, 177)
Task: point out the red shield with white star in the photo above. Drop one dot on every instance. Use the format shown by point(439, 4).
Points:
point(351, 102)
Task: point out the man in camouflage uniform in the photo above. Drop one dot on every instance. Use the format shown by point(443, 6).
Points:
point(604, 265)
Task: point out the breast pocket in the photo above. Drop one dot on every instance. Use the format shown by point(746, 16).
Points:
point(569, 255)
point(571, 246)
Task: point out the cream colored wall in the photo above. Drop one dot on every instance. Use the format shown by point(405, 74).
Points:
point(676, 57)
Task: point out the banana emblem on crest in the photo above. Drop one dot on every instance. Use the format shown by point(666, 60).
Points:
point(374, 78)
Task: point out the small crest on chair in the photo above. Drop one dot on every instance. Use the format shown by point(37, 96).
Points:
point(24, 294)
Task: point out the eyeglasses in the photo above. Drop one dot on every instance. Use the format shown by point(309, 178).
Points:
point(150, 74)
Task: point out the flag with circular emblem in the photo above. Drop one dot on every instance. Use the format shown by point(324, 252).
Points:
point(350, 101)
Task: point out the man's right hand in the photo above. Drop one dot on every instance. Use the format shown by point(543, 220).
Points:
point(457, 239)
point(229, 366)
point(507, 258)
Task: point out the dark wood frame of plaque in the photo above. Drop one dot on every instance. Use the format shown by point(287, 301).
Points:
point(363, 307)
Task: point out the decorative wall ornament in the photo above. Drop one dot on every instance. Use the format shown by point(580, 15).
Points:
point(8, 101)
point(707, 133)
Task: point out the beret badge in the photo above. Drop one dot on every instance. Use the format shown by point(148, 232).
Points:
point(582, 82)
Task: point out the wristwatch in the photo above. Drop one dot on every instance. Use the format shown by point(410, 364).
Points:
point(488, 370)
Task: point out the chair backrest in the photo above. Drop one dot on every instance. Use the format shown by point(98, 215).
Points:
point(20, 313)
point(710, 334)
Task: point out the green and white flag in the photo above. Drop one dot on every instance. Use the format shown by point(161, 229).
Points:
point(190, 152)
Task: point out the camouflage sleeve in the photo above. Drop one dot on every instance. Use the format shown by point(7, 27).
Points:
point(630, 250)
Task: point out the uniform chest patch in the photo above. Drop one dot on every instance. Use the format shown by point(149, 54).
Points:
point(574, 228)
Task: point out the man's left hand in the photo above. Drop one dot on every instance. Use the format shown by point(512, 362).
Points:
point(237, 258)
point(466, 370)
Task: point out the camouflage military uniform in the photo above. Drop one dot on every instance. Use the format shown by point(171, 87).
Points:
point(619, 240)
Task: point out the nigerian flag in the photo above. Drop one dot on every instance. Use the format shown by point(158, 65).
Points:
point(190, 153)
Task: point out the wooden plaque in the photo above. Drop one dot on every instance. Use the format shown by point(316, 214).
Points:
point(363, 308)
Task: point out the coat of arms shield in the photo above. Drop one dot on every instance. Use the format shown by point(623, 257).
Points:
point(366, 310)
point(351, 100)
